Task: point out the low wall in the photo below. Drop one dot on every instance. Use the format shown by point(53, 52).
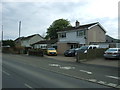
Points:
point(91, 54)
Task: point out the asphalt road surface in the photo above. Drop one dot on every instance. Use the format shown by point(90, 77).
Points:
point(21, 71)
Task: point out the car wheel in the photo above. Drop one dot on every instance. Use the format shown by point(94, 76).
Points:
point(75, 53)
point(106, 58)
point(119, 57)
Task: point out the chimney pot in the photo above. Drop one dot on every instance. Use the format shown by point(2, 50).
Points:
point(77, 23)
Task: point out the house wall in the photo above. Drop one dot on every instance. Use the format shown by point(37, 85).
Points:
point(35, 39)
point(110, 39)
point(25, 43)
point(28, 42)
point(95, 34)
point(62, 47)
point(71, 36)
point(43, 46)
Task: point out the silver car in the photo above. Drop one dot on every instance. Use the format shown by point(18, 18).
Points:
point(112, 53)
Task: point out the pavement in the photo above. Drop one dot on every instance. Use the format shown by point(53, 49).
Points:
point(98, 61)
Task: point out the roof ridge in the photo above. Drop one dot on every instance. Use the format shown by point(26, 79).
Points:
point(84, 26)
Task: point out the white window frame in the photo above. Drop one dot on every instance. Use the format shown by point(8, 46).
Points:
point(80, 33)
point(62, 35)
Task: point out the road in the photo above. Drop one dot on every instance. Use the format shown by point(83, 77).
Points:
point(21, 71)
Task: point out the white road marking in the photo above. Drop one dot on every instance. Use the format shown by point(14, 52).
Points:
point(93, 80)
point(67, 68)
point(86, 71)
point(101, 82)
point(112, 84)
point(6, 73)
point(118, 86)
point(54, 65)
point(27, 85)
point(113, 77)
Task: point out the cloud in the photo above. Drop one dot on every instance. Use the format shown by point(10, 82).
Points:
point(43, 0)
point(36, 17)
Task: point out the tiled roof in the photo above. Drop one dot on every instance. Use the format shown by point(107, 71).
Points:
point(86, 26)
point(46, 42)
point(28, 37)
point(21, 38)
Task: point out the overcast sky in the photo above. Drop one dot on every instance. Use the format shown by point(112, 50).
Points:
point(37, 16)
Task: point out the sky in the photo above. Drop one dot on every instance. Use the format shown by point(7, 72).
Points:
point(37, 15)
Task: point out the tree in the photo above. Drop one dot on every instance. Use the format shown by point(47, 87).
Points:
point(56, 26)
point(8, 42)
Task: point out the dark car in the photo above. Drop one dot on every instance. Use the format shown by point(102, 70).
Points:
point(70, 52)
point(112, 53)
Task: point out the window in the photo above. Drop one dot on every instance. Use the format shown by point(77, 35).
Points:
point(118, 49)
point(90, 47)
point(62, 35)
point(41, 46)
point(94, 47)
point(51, 48)
point(80, 33)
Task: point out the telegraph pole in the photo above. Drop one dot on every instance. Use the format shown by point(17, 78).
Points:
point(2, 34)
point(1, 37)
point(19, 28)
point(19, 36)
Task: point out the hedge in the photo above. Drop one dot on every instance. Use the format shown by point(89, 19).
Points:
point(91, 54)
point(36, 52)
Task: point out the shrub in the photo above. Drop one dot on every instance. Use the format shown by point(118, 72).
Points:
point(91, 54)
point(36, 52)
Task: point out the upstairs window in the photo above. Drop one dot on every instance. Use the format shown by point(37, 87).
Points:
point(62, 35)
point(80, 33)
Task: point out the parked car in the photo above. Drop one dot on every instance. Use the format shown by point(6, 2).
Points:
point(83, 49)
point(112, 53)
point(51, 51)
point(70, 52)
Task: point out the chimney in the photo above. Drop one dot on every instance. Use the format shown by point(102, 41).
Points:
point(77, 23)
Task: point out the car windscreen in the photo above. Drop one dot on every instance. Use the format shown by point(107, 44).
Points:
point(51, 48)
point(112, 49)
point(77, 49)
point(71, 50)
point(84, 47)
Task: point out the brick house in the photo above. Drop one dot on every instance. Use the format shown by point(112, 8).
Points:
point(80, 35)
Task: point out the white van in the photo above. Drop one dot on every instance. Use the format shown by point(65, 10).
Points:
point(83, 49)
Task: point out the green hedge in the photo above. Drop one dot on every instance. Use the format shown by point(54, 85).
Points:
point(36, 52)
point(91, 54)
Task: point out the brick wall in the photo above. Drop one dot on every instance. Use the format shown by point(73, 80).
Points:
point(62, 47)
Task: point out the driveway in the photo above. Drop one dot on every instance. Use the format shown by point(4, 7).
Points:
point(99, 61)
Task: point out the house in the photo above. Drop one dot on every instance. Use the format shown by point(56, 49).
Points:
point(28, 41)
point(110, 42)
point(111, 39)
point(44, 44)
point(79, 35)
